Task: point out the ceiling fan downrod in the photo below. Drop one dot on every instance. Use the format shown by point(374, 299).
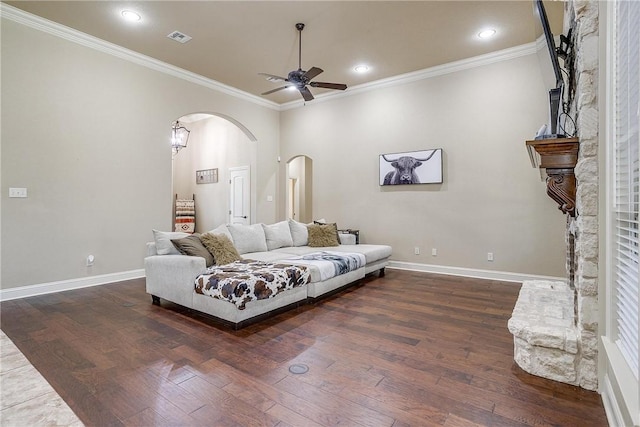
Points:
point(300, 27)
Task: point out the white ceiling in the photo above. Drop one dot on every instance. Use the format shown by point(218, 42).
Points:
point(235, 40)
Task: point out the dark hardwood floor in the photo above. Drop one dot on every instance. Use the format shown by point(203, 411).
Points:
point(407, 349)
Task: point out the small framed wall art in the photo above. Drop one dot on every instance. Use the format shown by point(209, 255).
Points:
point(207, 176)
point(412, 167)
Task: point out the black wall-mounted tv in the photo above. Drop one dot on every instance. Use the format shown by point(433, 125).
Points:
point(556, 87)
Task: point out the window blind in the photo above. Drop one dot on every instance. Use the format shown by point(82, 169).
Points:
point(627, 191)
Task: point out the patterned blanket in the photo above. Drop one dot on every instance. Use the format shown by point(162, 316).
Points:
point(248, 280)
point(329, 263)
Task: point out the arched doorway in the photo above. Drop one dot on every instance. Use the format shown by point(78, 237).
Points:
point(217, 145)
point(300, 188)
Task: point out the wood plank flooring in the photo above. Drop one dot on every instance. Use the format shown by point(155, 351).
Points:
point(407, 349)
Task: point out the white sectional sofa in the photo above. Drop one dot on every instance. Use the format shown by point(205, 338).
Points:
point(172, 276)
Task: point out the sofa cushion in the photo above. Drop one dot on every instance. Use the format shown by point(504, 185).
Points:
point(163, 241)
point(221, 248)
point(321, 235)
point(222, 229)
point(192, 246)
point(248, 238)
point(299, 233)
point(278, 235)
point(269, 256)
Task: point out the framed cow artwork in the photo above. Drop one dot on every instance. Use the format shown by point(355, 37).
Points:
point(412, 167)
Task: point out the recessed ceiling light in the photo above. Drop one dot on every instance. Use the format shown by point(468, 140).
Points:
point(130, 15)
point(486, 34)
point(361, 68)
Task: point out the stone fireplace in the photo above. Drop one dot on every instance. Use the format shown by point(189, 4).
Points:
point(555, 324)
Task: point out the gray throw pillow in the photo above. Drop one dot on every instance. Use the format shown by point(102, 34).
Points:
point(192, 246)
point(221, 248)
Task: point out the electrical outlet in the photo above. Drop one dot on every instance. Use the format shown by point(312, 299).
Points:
point(17, 192)
point(434, 252)
point(489, 256)
point(416, 250)
point(90, 260)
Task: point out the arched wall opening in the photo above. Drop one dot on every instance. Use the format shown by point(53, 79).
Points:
point(299, 189)
point(201, 171)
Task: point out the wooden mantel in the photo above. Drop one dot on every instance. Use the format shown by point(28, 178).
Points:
point(559, 157)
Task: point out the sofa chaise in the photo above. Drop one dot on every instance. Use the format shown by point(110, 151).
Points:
point(173, 276)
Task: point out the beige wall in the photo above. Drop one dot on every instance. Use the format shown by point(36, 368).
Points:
point(88, 135)
point(213, 143)
point(491, 200)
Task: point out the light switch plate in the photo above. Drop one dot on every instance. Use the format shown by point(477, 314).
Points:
point(17, 192)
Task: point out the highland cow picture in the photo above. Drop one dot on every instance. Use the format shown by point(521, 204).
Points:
point(413, 167)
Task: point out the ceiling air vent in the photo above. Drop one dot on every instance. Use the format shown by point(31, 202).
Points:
point(179, 37)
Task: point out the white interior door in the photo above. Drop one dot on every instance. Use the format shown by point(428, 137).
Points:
point(240, 195)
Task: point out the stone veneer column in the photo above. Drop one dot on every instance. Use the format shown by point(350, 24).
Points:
point(555, 324)
point(584, 17)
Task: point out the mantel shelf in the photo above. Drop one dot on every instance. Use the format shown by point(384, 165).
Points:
point(558, 157)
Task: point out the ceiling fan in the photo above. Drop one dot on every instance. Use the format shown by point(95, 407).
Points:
point(300, 78)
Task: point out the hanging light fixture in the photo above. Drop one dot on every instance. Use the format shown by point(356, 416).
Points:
point(179, 137)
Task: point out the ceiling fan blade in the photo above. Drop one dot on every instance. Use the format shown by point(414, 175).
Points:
point(306, 93)
point(337, 86)
point(313, 71)
point(273, 78)
point(275, 90)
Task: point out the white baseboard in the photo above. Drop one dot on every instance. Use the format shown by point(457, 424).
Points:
point(619, 388)
point(470, 272)
point(610, 403)
point(67, 285)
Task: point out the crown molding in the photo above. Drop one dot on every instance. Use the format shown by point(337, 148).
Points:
point(427, 73)
point(16, 15)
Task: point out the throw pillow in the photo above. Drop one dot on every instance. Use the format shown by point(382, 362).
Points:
point(278, 235)
point(248, 238)
point(323, 222)
point(299, 233)
point(221, 248)
point(192, 246)
point(321, 235)
point(222, 229)
point(163, 241)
